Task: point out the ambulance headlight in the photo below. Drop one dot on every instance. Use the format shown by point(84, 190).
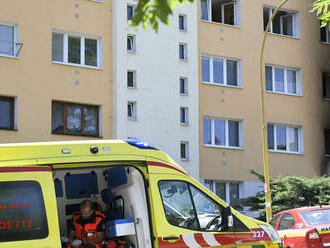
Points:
point(273, 235)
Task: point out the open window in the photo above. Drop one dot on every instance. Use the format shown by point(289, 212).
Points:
point(285, 22)
point(221, 11)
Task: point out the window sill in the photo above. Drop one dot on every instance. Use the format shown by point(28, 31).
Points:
point(186, 94)
point(222, 24)
point(325, 43)
point(287, 152)
point(183, 60)
point(9, 56)
point(133, 88)
point(225, 147)
point(131, 51)
point(285, 36)
point(183, 30)
point(284, 94)
point(185, 159)
point(131, 119)
point(78, 135)
point(8, 129)
point(326, 99)
point(184, 124)
point(77, 65)
point(223, 85)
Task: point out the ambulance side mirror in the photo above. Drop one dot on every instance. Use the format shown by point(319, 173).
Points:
point(229, 216)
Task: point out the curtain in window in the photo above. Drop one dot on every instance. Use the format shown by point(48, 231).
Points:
point(207, 131)
point(7, 40)
point(217, 71)
point(90, 121)
point(91, 52)
point(57, 47)
point(204, 10)
point(206, 69)
point(279, 80)
point(293, 139)
point(292, 81)
point(269, 78)
point(74, 118)
point(74, 50)
point(220, 132)
point(220, 190)
point(234, 194)
point(57, 117)
point(287, 25)
point(231, 72)
point(281, 138)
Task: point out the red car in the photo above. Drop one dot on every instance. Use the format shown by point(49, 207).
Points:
point(304, 227)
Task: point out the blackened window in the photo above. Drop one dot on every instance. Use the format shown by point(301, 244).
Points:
point(326, 85)
point(75, 119)
point(6, 112)
point(22, 211)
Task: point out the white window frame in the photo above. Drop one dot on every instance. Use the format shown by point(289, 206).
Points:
point(185, 51)
point(295, 21)
point(224, 69)
point(300, 139)
point(240, 134)
point(133, 110)
point(186, 116)
point(286, 69)
point(16, 49)
point(186, 151)
point(82, 49)
point(134, 79)
point(227, 200)
point(186, 90)
point(132, 37)
point(133, 9)
point(184, 22)
point(237, 6)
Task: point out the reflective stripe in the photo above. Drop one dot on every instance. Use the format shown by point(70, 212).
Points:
point(190, 240)
point(326, 244)
point(210, 239)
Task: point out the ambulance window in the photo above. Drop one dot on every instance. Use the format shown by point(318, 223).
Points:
point(178, 205)
point(22, 211)
point(209, 213)
point(286, 222)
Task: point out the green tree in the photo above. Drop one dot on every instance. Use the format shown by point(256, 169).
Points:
point(291, 192)
point(321, 7)
point(151, 12)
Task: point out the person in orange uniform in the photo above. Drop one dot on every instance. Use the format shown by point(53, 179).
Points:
point(88, 227)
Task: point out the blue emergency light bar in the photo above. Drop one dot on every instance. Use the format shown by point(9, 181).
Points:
point(140, 144)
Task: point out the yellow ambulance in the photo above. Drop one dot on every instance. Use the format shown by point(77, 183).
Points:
point(152, 201)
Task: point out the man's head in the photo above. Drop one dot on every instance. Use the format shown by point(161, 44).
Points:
point(87, 209)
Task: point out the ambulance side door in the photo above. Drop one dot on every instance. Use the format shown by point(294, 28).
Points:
point(28, 212)
point(185, 216)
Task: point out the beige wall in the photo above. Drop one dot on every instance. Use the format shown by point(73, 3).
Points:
point(36, 81)
point(309, 110)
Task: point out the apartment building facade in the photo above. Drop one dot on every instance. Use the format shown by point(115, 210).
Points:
point(56, 70)
point(155, 79)
point(296, 57)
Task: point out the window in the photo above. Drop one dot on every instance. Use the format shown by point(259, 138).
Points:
point(223, 133)
point(326, 85)
point(187, 207)
point(183, 51)
point(274, 221)
point(75, 119)
point(131, 111)
point(184, 150)
point(285, 22)
point(22, 211)
point(7, 110)
point(221, 71)
point(76, 49)
point(327, 141)
point(325, 34)
point(184, 115)
point(221, 11)
point(131, 79)
point(182, 22)
point(8, 40)
point(286, 222)
point(131, 46)
point(130, 12)
point(283, 80)
point(285, 138)
point(227, 191)
point(184, 86)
